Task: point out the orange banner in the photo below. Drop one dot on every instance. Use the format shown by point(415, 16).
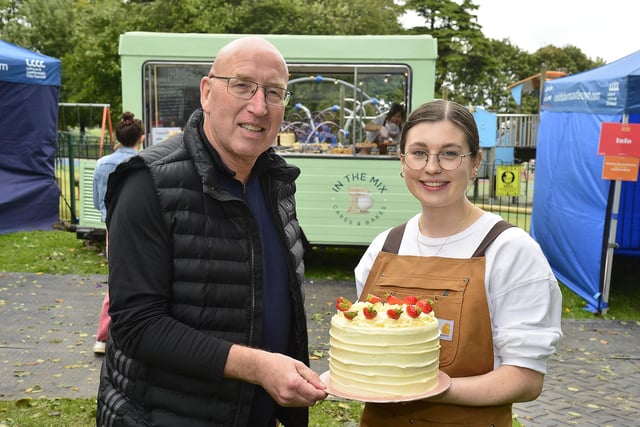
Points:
point(619, 168)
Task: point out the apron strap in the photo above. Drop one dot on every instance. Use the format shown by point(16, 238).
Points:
point(495, 231)
point(392, 243)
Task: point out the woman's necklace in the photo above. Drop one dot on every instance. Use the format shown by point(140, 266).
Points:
point(420, 244)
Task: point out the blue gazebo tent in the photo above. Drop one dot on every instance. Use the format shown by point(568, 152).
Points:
point(29, 87)
point(573, 205)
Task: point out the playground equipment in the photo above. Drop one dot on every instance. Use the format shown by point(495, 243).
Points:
point(83, 136)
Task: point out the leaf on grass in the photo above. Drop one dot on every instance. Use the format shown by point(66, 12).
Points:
point(34, 389)
point(76, 366)
point(23, 403)
point(34, 363)
point(316, 354)
point(607, 369)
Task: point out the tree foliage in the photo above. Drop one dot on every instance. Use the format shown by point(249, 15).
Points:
point(462, 51)
point(84, 34)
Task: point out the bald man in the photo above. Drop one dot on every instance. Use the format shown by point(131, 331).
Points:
point(205, 268)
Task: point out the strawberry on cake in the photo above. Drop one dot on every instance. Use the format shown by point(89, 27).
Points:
point(382, 349)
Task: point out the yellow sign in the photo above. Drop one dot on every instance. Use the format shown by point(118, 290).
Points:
point(508, 180)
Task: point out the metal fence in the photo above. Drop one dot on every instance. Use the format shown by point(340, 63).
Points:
point(72, 147)
point(516, 209)
point(517, 130)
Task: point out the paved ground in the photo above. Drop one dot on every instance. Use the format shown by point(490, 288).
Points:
point(48, 325)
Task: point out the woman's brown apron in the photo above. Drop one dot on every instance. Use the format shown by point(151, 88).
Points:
point(456, 287)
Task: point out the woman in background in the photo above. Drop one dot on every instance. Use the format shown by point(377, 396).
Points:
point(386, 127)
point(130, 136)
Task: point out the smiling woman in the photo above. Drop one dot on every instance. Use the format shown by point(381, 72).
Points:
point(480, 272)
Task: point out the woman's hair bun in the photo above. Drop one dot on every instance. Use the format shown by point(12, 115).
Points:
point(127, 118)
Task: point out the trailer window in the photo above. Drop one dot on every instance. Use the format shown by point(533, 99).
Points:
point(331, 103)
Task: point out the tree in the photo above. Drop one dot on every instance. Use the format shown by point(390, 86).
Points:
point(507, 67)
point(271, 16)
point(184, 16)
point(9, 13)
point(40, 26)
point(91, 67)
point(569, 59)
point(84, 34)
point(472, 69)
point(463, 51)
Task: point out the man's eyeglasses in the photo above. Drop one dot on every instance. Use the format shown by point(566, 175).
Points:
point(245, 89)
point(448, 160)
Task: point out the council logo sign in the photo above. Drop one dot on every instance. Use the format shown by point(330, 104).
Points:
point(35, 69)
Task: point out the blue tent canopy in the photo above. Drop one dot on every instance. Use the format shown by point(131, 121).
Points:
point(29, 87)
point(611, 89)
point(20, 65)
point(573, 204)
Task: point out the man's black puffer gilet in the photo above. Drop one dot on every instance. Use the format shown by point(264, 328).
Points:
point(217, 287)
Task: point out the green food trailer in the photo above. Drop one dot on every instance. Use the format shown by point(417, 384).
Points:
point(348, 190)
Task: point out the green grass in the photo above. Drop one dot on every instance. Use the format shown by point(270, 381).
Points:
point(50, 252)
point(82, 412)
point(334, 263)
point(624, 296)
point(48, 413)
point(60, 252)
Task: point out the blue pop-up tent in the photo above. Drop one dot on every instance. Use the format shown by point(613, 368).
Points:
point(573, 206)
point(29, 86)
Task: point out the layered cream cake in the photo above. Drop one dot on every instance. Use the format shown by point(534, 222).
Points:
point(382, 349)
